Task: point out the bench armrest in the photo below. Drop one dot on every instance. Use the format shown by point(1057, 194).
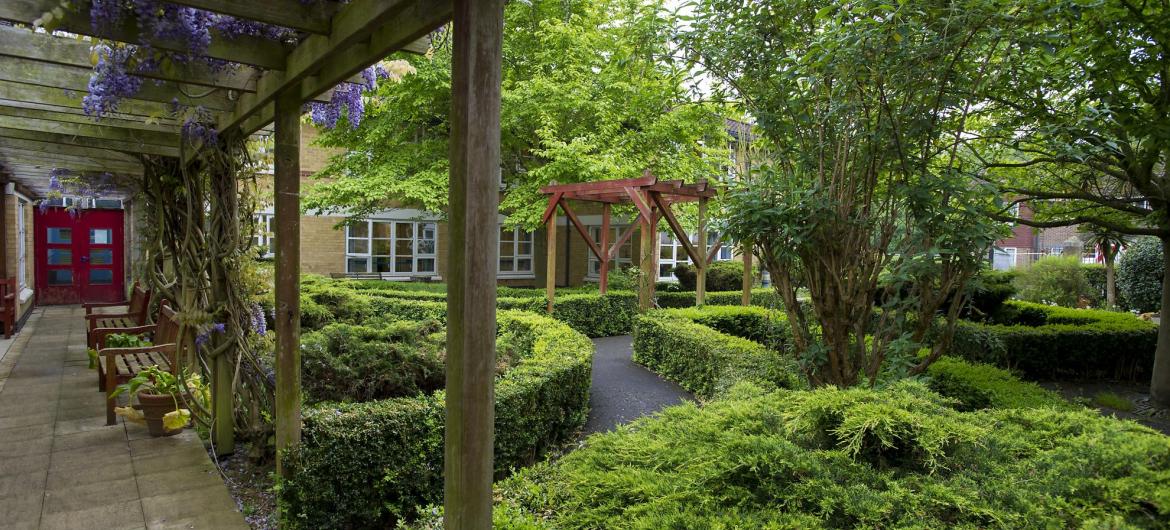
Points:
point(100, 316)
point(90, 305)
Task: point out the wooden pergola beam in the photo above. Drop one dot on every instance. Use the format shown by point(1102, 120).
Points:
point(362, 32)
point(34, 96)
point(51, 149)
point(22, 43)
point(84, 141)
point(90, 130)
point(244, 49)
point(310, 17)
point(81, 119)
point(49, 161)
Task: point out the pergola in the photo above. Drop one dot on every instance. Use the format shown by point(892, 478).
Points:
point(43, 77)
point(652, 200)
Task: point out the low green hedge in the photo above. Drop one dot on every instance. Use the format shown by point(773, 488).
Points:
point(981, 386)
point(1049, 342)
point(705, 361)
point(895, 457)
point(369, 465)
point(767, 327)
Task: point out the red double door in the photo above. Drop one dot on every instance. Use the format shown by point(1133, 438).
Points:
point(79, 256)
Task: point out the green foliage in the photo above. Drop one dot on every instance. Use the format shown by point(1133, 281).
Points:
point(767, 327)
point(1113, 401)
point(705, 361)
point(117, 340)
point(368, 465)
point(852, 458)
point(346, 362)
point(981, 386)
point(1095, 276)
point(151, 380)
point(586, 96)
point(1043, 342)
point(1139, 275)
point(721, 276)
point(1056, 280)
point(990, 290)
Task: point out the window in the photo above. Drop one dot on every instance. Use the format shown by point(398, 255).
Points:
point(394, 247)
point(515, 252)
point(625, 255)
point(264, 240)
point(671, 252)
point(1004, 259)
point(21, 248)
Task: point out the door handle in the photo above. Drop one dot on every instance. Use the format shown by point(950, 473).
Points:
point(85, 259)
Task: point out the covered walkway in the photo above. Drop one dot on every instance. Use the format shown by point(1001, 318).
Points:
point(62, 467)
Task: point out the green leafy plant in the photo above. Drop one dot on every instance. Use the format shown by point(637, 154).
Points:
point(1056, 280)
point(152, 380)
point(117, 340)
point(721, 276)
point(1113, 401)
point(1139, 275)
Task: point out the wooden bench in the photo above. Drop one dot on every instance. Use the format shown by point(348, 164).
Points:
point(119, 365)
point(8, 306)
point(137, 308)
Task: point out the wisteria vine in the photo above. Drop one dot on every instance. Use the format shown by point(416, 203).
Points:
point(118, 67)
point(68, 183)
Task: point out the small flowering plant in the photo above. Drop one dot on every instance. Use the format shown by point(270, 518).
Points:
point(156, 381)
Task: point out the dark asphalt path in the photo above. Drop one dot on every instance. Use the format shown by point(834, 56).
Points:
point(623, 390)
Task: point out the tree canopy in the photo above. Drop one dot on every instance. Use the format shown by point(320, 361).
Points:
point(589, 93)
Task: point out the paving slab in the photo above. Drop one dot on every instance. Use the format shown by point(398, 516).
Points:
point(62, 467)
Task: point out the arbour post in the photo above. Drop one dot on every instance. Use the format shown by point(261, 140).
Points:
point(747, 273)
point(701, 265)
point(471, 302)
point(603, 285)
point(550, 266)
point(648, 250)
point(287, 205)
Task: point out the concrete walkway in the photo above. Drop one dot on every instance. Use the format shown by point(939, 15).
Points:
point(622, 390)
point(62, 467)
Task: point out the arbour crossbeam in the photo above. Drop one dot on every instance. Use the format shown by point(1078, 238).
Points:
point(651, 199)
point(44, 77)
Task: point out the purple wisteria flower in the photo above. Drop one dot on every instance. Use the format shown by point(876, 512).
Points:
point(259, 320)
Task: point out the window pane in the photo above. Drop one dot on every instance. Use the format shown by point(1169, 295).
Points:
point(101, 236)
point(382, 230)
point(507, 234)
point(507, 264)
point(358, 230)
point(357, 265)
point(60, 235)
point(382, 264)
point(524, 265)
point(428, 231)
point(667, 252)
point(60, 256)
point(381, 247)
point(665, 239)
point(404, 230)
point(664, 270)
point(101, 277)
point(403, 248)
point(426, 247)
point(426, 265)
point(526, 248)
point(403, 264)
point(60, 276)
point(359, 246)
point(101, 256)
point(507, 248)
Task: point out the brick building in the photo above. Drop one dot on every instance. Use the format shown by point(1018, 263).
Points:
point(409, 244)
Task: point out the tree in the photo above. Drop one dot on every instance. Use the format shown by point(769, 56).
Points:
point(866, 201)
point(1078, 125)
point(588, 94)
point(1109, 243)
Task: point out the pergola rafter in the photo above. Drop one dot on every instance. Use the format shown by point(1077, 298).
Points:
point(652, 199)
point(43, 126)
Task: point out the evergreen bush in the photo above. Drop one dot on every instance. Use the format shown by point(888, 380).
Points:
point(1139, 275)
point(1056, 280)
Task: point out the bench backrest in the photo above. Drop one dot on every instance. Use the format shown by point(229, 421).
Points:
point(139, 303)
point(166, 329)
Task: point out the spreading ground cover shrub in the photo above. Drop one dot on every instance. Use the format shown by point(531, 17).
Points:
point(1139, 275)
point(705, 361)
point(767, 327)
point(370, 464)
point(981, 386)
point(346, 362)
point(1056, 280)
point(854, 458)
point(1044, 342)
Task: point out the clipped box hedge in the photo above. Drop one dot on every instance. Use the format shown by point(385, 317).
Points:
point(369, 465)
point(1045, 342)
point(706, 361)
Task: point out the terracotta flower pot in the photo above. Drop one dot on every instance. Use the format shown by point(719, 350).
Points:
point(154, 407)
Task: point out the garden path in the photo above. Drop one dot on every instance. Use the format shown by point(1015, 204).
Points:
point(61, 466)
point(622, 390)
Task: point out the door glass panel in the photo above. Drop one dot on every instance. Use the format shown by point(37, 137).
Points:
point(101, 236)
point(101, 277)
point(60, 277)
point(61, 236)
point(101, 256)
point(60, 256)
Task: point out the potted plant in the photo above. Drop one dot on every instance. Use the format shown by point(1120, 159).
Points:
point(158, 394)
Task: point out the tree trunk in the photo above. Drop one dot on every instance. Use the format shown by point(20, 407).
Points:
point(1111, 280)
point(1160, 379)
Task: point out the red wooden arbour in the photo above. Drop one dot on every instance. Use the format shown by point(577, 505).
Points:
point(652, 200)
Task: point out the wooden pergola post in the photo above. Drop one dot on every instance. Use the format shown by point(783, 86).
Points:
point(649, 275)
point(701, 266)
point(550, 266)
point(747, 273)
point(287, 203)
point(471, 275)
point(603, 281)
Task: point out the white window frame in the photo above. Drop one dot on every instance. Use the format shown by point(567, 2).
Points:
point(264, 238)
point(511, 249)
point(417, 231)
point(593, 265)
point(22, 242)
point(680, 252)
